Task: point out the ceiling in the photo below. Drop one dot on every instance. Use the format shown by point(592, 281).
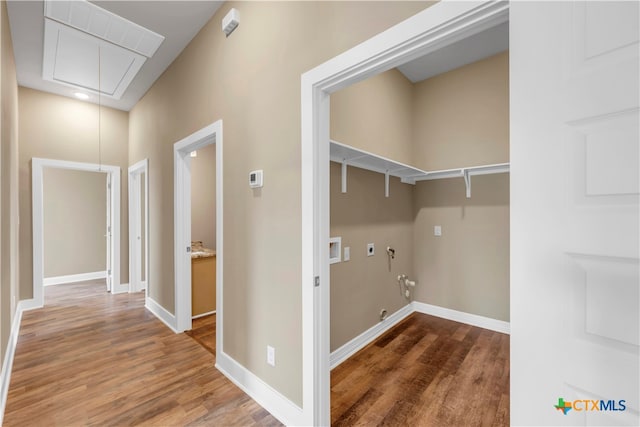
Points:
point(471, 49)
point(50, 53)
point(121, 86)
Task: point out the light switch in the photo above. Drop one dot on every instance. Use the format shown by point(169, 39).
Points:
point(437, 230)
point(347, 253)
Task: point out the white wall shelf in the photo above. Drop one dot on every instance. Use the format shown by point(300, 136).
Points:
point(350, 156)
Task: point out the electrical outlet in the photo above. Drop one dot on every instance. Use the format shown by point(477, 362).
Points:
point(347, 253)
point(271, 355)
point(437, 230)
point(371, 250)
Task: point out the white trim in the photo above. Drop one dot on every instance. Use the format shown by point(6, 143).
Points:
point(462, 317)
point(211, 134)
point(347, 350)
point(435, 27)
point(266, 396)
point(209, 313)
point(135, 260)
point(73, 278)
point(7, 363)
point(37, 185)
point(161, 313)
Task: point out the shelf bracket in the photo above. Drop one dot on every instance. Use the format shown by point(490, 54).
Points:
point(344, 175)
point(386, 183)
point(467, 182)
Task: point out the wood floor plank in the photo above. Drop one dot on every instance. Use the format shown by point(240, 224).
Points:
point(91, 358)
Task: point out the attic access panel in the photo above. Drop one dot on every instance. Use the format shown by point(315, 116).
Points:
point(71, 57)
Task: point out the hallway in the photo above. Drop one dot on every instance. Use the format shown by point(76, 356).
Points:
point(92, 358)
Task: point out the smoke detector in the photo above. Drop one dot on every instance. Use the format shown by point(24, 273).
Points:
point(230, 21)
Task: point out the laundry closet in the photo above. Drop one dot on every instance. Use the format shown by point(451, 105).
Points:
point(419, 186)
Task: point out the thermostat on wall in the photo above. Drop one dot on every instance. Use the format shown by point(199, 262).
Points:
point(255, 179)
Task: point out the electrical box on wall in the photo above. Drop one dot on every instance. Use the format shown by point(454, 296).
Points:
point(255, 179)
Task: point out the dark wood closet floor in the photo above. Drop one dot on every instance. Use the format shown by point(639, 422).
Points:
point(426, 371)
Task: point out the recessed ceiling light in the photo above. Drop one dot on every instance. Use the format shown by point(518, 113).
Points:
point(81, 95)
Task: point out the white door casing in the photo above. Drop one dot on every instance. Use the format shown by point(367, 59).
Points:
point(107, 235)
point(575, 296)
point(138, 183)
point(211, 134)
point(37, 187)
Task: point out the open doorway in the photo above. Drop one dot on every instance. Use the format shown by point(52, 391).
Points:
point(205, 255)
point(138, 226)
point(203, 246)
point(426, 32)
point(107, 178)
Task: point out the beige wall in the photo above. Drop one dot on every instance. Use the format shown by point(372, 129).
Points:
point(9, 267)
point(251, 80)
point(467, 268)
point(75, 219)
point(203, 196)
point(363, 286)
point(461, 118)
point(60, 128)
point(375, 115)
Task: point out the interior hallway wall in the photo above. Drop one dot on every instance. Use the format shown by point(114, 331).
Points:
point(251, 80)
point(61, 128)
point(9, 265)
point(364, 285)
point(203, 196)
point(75, 220)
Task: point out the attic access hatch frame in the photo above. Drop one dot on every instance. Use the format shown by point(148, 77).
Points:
point(349, 156)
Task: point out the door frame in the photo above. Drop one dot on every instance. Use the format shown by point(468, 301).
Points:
point(37, 191)
point(135, 225)
point(427, 31)
point(211, 134)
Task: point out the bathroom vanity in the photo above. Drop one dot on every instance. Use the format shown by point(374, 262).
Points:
point(203, 280)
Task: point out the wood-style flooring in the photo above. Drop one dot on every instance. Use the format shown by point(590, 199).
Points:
point(203, 331)
point(426, 371)
point(91, 358)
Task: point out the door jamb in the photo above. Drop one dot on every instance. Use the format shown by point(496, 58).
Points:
point(427, 31)
point(37, 186)
point(211, 134)
point(135, 261)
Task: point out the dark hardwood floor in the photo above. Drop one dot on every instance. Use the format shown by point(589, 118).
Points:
point(203, 331)
point(426, 371)
point(91, 358)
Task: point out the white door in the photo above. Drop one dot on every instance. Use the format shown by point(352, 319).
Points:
point(108, 234)
point(574, 213)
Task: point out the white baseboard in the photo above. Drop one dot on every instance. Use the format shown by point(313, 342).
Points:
point(143, 286)
point(72, 278)
point(203, 314)
point(7, 363)
point(161, 313)
point(462, 317)
point(120, 288)
point(352, 347)
point(287, 412)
